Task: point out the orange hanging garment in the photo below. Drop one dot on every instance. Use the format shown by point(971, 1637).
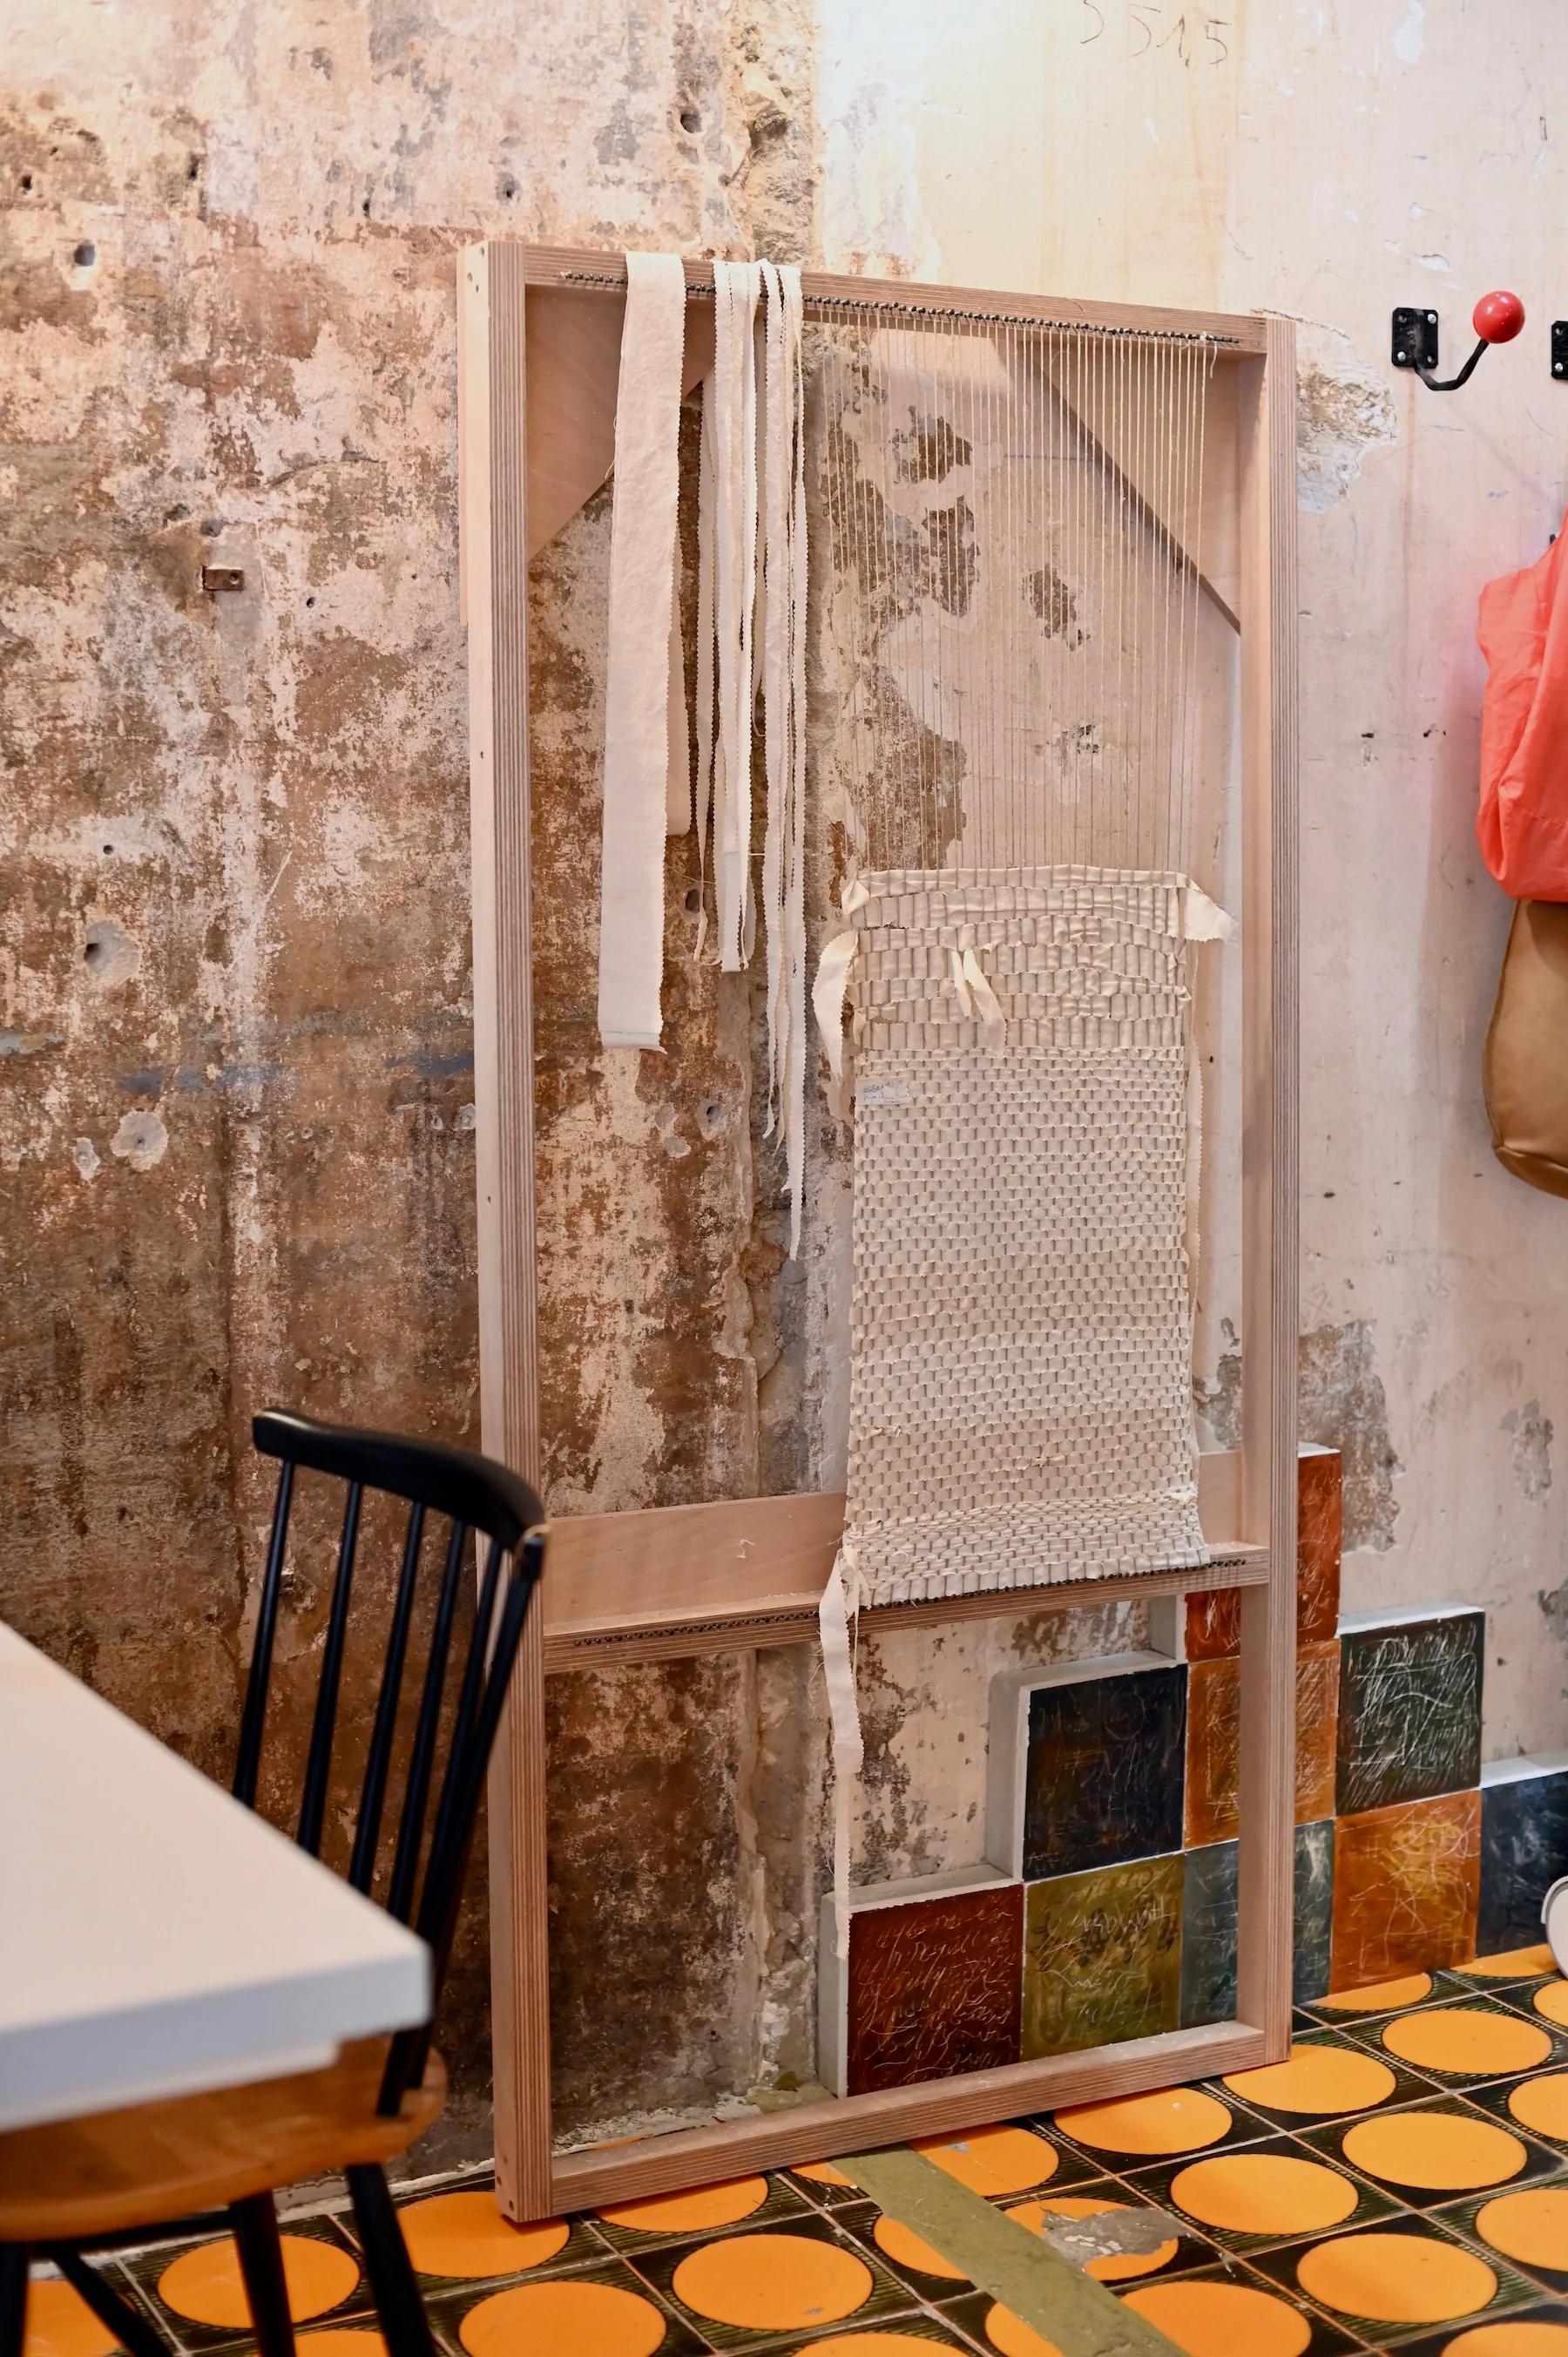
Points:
point(1522, 824)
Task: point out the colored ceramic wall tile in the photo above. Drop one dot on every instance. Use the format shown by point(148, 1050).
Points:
point(1214, 1624)
point(1213, 1746)
point(1102, 1956)
point(933, 1988)
point(1524, 1849)
point(1410, 1709)
point(1406, 1885)
point(1317, 1524)
point(1104, 1775)
point(1214, 1620)
point(1317, 1730)
point(1313, 1910)
point(1209, 1935)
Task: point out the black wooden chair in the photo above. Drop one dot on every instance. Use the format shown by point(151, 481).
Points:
point(119, 2176)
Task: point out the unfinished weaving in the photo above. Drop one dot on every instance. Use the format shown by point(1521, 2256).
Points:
point(1020, 1407)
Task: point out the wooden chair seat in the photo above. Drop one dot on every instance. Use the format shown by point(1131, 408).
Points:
point(72, 2180)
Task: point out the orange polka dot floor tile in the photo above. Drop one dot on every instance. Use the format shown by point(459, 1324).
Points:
point(1397, 2188)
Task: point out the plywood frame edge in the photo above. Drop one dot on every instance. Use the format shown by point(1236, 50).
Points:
point(532, 2179)
point(1236, 334)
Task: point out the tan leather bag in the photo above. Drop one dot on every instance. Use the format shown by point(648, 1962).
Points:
point(1526, 1049)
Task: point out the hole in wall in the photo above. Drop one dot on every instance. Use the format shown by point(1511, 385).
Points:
point(689, 118)
point(85, 256)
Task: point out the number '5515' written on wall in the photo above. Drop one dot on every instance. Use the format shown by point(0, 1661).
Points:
point(1192, 34)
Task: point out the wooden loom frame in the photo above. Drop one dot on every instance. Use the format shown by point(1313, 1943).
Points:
point(539, 337)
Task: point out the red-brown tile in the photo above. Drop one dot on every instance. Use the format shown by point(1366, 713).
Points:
point(1317, 1523)
point(1406, 1883)
point(935, 1987)
point(1213, 1739)
point(1316, 1730)
point(1214, 1624)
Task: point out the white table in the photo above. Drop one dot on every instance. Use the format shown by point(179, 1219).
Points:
point(156, 1938)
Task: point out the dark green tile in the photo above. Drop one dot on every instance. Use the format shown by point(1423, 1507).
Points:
point(1410, 1709)
point(1102, 1956)
point(1103, 1780)
point(1209, 1935)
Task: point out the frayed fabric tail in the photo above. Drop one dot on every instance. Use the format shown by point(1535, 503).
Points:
point(836, 1616)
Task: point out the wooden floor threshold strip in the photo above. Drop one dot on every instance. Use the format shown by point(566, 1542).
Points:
point(1077, 2316)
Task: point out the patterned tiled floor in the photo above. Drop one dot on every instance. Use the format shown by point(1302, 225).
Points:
point(1400, 2185)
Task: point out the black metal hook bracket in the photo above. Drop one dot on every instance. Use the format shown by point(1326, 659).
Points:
point(1560, 349)
point(1414, 346)
point(1413, 340)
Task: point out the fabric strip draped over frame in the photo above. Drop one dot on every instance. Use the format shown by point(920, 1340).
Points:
point(751, 650)
point(639, 735)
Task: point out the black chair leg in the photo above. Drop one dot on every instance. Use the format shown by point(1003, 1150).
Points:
point(405, 2325)
point(255, 2224)
point(132, 2332)
point(13, 2298)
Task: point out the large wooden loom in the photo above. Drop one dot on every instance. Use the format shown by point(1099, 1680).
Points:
point(539, 346)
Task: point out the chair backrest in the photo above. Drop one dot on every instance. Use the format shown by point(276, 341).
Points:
point(473, 1494)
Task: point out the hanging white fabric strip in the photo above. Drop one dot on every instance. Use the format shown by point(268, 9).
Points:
point(706, 593)
point(733, 391)
point(836, 1615)
point(637, 719)
point(678, 778)
point(782, 668)
point(829, 991)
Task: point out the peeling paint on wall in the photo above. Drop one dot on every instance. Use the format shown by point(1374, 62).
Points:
point(1529, 1449)
point(1344, 411)
point(1344, 1407)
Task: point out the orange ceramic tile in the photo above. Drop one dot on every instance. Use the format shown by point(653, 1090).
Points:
point(465, 2237)
point(777, 2283)
point(61, 2323)
point(1214, 1625)
point(688, 2213)
point(1176, 2119)
point(569, 2318)
point(205, 2283)
point(994, 2161)
point(1316, 1730)
point(1381, 1996)
point(1318, 1515)
point(1406, 1885)
point(1396, 2278)
point(1220, 2320)
point(1213, 1742)
point(1542, 2104)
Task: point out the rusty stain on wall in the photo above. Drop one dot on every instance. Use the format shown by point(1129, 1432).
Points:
point(237, 1124)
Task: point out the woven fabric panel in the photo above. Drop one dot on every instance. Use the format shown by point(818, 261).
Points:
point(1021, 1387)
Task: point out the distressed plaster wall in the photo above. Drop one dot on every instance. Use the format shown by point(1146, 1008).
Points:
point(1328, 162)
point(234, 1062)
point(236, 1044)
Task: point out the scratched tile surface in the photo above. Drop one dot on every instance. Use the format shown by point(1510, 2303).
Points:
point(1214, 1624)
point(1313, 1930)
point(1317, 1730)
point(1524, 1848)
point(1213, 1749)
point(1406, 1885)
point(1410, 1711)
point(1317, 1547)
point(1208, 1919)
point(934, 1987)
point(1103, 1777)
point(1102, 1956)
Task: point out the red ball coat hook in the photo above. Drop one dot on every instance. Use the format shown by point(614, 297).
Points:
point(1497, 319)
